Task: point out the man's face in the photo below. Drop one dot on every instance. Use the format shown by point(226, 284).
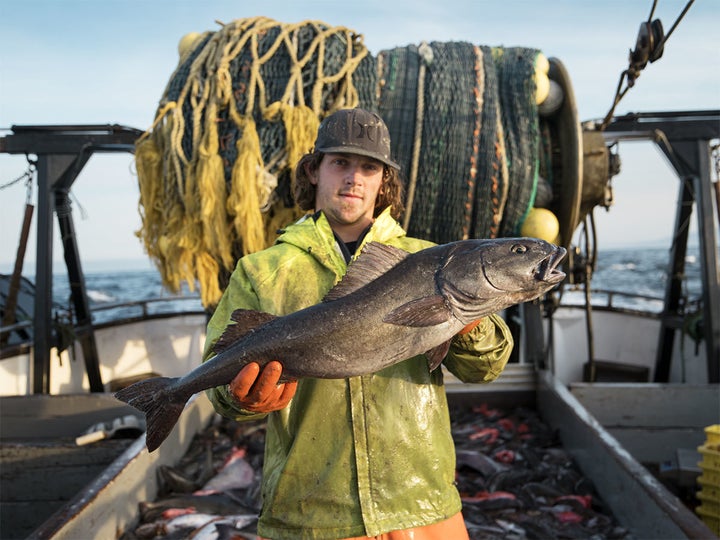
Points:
point(347, 186)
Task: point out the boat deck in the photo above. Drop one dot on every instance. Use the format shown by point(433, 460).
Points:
point(636, 498)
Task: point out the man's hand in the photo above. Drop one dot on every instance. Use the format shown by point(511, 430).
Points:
point(260, 392)
point(470, 327)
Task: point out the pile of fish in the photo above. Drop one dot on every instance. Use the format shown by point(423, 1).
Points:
point(213, 492)
point(515, 481)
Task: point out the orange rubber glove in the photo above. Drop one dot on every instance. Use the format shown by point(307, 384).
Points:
point(260, 392)
point(469, 328)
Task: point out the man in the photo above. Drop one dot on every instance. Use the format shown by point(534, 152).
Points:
point(368, 456)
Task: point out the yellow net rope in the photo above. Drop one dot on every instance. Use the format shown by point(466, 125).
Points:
point(200, 212)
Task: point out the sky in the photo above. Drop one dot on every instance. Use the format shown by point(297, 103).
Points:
point(108, 61)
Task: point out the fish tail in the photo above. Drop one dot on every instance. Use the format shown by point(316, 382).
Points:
point(162, 408)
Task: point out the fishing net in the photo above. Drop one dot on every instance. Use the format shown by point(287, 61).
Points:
point(516, 69)
point(243, 105)
point(446, 126)
point(491, 191)
point(471, 144)
point(216, 168)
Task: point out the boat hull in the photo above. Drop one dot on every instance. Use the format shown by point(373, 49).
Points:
point(103, 496)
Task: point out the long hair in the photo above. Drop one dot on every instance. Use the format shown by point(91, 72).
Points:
point(390, 193)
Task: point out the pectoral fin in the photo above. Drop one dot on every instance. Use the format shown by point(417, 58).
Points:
point(437, 355)
point(423, 312)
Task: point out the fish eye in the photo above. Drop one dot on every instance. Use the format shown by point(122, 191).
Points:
point(518, 248)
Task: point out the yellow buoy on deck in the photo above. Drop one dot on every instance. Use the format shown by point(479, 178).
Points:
point(541, 223)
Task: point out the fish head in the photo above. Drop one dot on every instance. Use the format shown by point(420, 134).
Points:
point(522, 264)
point(482, 275)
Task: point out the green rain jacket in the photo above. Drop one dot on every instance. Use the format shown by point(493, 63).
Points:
point(358, 456)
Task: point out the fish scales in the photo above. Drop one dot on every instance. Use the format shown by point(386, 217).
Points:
point(390, 306)
point(327, 340)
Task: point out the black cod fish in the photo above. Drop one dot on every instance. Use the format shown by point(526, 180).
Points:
point(390, 306)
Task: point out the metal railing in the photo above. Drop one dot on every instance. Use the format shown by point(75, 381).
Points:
point(144, 312)
point(605, 298)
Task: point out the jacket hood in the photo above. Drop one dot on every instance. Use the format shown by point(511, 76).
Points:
point(312, 233)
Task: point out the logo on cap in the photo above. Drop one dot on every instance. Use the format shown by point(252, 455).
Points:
point(355, 131)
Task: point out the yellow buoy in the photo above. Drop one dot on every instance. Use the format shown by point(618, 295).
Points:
point(542, 82)
point(542, 86)
point(553, 101)
point(542, 64)
point(541, 223)
point(186, 43)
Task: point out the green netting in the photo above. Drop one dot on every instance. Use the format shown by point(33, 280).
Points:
point(492, 177)
point(515, 69)
point(215, 170)
point(477, 150)
point(398, 76)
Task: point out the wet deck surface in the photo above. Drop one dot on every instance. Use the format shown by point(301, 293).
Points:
point(515, 481)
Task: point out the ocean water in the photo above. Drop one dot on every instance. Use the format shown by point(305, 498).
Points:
point(120, 294)
point(642, 274)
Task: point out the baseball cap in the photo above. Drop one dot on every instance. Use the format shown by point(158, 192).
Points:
point(355, 131)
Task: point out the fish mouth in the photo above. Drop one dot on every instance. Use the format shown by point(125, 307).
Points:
point(547, 269)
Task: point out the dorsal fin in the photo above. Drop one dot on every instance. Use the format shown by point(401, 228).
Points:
point(374, 260)
point(245, 321)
